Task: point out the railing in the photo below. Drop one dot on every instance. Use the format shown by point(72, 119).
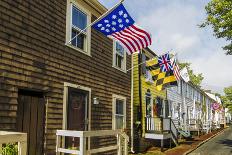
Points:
point(153, 124)
point(83, 135)
point(192, 121)
point(207, 126)
point(174, 129)
point(14, 137)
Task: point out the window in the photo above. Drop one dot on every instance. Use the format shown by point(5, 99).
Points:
point(77, 20)
point(149, 104)
point(119, 112)
point(159, 107)
point(119, 57)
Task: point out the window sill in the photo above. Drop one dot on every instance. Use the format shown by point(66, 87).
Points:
point(77, 49)
point(122, 70)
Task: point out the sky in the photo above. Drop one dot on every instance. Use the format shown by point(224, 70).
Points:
point(173, 25)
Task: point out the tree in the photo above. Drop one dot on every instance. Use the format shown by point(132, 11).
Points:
point(194, 78)
point(227, 99)
point(219, 16)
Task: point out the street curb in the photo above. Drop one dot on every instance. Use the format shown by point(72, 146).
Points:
point(186, 153)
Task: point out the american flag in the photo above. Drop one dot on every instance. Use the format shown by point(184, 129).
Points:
point(165, 63)
point(119, 25)
point(176, 69)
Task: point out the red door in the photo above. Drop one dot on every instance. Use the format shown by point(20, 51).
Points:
point(77, 113)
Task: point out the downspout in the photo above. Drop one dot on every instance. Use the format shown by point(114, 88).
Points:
point(140, 92)
point(132, 106)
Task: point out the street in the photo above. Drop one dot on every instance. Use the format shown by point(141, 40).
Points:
point(219, 145)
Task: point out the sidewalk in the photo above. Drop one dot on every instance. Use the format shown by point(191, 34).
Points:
point(184, 145)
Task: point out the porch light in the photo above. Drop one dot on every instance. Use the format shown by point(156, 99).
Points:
point(96, 100)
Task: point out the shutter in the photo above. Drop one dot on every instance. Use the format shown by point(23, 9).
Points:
point(143, 66)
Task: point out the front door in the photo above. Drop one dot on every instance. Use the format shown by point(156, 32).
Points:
point(77, 113)
point(30, 120)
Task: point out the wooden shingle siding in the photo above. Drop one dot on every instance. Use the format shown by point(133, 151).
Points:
point(33, 55)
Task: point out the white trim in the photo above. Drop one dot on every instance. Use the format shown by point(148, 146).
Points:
point(87, 42)
point(114, 97)
point(123, 69)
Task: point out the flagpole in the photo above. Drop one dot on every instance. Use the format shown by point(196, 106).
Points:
point(102, 16)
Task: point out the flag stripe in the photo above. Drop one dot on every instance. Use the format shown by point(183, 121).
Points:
point(127, 39)
point(132, 40)
point(144, 36)
point(123, 42)
point(142, 31)
point(140, 42)
point(139, 35)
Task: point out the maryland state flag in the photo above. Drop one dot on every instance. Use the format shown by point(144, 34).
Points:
point(162, 79)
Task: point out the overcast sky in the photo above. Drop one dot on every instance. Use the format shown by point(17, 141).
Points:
point(173, 25)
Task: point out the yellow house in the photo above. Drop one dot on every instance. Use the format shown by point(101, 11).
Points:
point(151, 109)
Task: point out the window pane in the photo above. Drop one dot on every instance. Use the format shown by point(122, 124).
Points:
point(148, 106)
point(79, 19)
point(119, 49)
point(119, 61)
point(79, 40)
point(119, 122)
point(119, 106)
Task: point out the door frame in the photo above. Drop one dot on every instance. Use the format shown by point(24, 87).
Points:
point(65, 104)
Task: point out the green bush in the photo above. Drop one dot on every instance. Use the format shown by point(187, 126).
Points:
point(9, 149)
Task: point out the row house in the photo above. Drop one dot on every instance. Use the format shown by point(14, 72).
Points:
point(50, 79)
point(191, 108)
point(217, 115)
point(151, 112)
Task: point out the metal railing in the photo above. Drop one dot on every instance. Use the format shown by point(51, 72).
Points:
point(83, 135)
point(14, 137)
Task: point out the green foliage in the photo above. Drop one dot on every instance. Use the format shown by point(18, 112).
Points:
point(227, 99)
point(194, 78)
point(9, 149)
point(219, 16)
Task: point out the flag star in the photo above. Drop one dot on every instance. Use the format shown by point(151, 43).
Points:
point(103, 28)
point(120, 13)
point(119, 20)
point(125, 15)
point(107, 25)
point(127, 20)
point(114, 17)
point(106, 21)
point(114, 23)
point(121, 25)
point(99, 25)
point(107, 30)
point(113, 29)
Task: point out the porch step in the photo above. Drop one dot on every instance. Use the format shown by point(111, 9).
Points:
point(161, 136)
point(176, 122)
point(158, 135)
point(184, 133)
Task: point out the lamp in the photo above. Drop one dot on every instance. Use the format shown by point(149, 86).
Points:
point(96, 100)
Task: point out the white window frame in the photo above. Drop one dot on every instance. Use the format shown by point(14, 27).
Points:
point(87, 41)
point(114, 98)
point(123, 69)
